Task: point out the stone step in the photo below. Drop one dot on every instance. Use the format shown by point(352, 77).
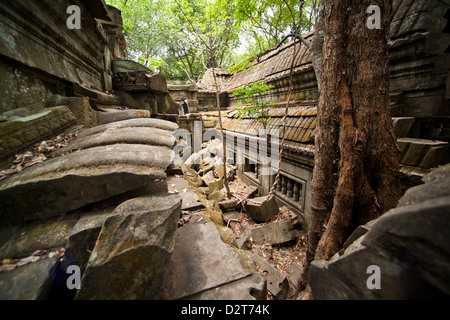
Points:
point(422, 153)
point(137, 136)
point(69, 182)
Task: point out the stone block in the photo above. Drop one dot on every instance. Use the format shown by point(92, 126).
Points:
point(277, 283)
point(39, 235)
point(201, 261)
point(80, 107)
point(402, 126)
point(133, 136)
point(262, 209)
point(131, 123)
point(66, 183)
point(409, 244)
point(82, 239)
point(108, 115)
point(415, 151)
point(274, 233)
point(133, 250)
point(229, 205)
point(26, 127)
point(231, 218)
point(32, 281)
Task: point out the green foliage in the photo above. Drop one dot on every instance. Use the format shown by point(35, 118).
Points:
point(251, 105)
point(164, 34)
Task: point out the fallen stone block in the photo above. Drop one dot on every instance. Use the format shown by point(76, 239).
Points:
point(437, 184)
point(32, 281)
point(136, 135)
point(108, 115)
point(229, 205)
point(133, 250)
point(402, 125)
point(262, 209)
point(407, 250)
point(39, 235)
point(215, 185)
point(274, 233)
point(231, 218)
point(217, 195)
point(421, 152)
point(69, 182)
point(245, 240)
point(81, 108)
point(131, 123)
point(293, 273)
point(277, 283)
point(82, 239)
point(201, 261)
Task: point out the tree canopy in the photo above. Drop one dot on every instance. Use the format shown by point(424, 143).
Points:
point(164, 34)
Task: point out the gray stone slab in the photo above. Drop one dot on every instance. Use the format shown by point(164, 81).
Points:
point(82, 239)
point(69, 182)
point(108, 115)
point(132, 251)
point(262, 209)
point(131, 123)
point(29, 282)
point(39, 235)
point(277, 282)
point(200, 261)
point(136, 135)
point(253, 287)
point(274, 233)
point(409, 246)
point(189, 199)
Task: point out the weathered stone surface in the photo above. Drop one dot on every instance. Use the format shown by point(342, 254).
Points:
point(80, 107)
point(277, 283)
point(69, 182)
point(189, 199)
point(132, 251)
point(437, 185)
point(275, 233)
point(108, 115)
point(249, 288)
point(402, 125)
point(201, 261)
point(82, 239)
point(422, 152)
point(29, 282)
point(261, 210)
point(229, 205)
point(138, 80)
point(231, 218)
point(410, 246)
point(131, 123)
point(26, 127)
point(138, 136)
point(40, 235)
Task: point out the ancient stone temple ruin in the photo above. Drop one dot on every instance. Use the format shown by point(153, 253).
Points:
point(92, 181)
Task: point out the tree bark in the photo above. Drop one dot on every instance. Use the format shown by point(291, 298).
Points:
point(356, 169)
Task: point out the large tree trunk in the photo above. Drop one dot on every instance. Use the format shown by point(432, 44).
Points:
point(356, 165)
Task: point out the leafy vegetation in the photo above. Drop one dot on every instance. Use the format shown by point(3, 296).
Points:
point(164, 34)
point(251, 105)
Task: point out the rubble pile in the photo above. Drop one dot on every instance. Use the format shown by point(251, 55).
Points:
point(270, 236)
